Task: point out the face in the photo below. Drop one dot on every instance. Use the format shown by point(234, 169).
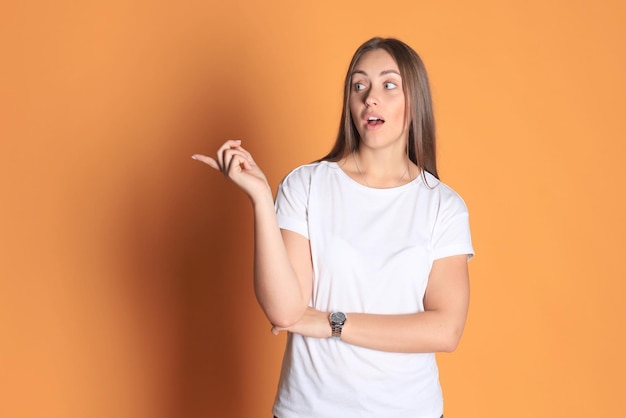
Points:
point(377, 104)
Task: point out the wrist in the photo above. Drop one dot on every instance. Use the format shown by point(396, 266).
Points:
point(337, 320)
point(262, 198)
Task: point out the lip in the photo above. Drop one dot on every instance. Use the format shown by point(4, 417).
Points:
point(372, 115)
point(366, 124)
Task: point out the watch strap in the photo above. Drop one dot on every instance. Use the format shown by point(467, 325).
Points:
point(337, 328)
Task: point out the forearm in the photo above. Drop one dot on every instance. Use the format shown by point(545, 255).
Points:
point(276, 284)
point(424, 332)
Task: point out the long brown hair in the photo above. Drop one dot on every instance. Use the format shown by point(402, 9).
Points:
point(418, 102)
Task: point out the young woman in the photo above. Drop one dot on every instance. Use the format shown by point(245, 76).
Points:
point(363, 256)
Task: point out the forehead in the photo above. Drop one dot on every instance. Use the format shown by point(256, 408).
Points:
point(376, 61)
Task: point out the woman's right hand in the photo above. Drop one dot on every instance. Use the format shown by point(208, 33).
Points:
point(237, 165)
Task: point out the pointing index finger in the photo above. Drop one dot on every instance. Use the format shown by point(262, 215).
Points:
point(207, 160)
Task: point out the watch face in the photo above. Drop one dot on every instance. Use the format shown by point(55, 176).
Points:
point(338, 317)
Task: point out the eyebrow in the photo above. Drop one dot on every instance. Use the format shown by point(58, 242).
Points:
point(385, 72)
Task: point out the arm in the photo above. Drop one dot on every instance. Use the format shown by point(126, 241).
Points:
point(283, 270)
point(281, 289)
point(438, 328)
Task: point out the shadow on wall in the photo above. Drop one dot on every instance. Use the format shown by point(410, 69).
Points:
point(188, 247)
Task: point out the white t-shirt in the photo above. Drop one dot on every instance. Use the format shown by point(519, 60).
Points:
point(372, 252)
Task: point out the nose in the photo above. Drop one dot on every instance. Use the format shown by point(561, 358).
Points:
point(370, 99)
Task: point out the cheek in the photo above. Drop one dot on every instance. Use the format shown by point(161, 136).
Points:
point(352, 103)
point(354, 110)
point(401, 110)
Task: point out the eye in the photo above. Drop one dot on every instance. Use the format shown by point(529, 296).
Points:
point(359, 86)
point(390, 86)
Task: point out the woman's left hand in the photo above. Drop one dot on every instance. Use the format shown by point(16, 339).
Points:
point(313, 323)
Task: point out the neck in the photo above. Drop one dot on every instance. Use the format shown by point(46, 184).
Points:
point(380, 169)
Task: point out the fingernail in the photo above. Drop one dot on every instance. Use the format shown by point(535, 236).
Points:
point(194, 157)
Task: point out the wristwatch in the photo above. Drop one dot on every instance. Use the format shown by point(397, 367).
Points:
point(337, 320)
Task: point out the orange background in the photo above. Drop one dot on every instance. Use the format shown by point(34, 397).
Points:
point(125, 267)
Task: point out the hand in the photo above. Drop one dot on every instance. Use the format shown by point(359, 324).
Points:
point(238, 166)
point(313, 323)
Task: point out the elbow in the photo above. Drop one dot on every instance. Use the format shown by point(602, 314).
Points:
point(451, 341)
point(281, 315)
point(284, 318)
point(449, 346)
point(282, 321)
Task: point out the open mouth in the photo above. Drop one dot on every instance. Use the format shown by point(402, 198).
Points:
point(374, 121)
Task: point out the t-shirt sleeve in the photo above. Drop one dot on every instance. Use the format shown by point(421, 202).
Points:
point(451, 235)
point(292, 202)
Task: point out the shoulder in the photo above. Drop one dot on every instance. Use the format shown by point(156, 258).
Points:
point(447, 198)
point(304, 173)
point(296, 187)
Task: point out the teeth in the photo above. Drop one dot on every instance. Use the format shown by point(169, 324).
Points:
point(372, 118)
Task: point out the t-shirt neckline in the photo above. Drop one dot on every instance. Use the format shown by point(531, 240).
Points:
point(345, 176)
